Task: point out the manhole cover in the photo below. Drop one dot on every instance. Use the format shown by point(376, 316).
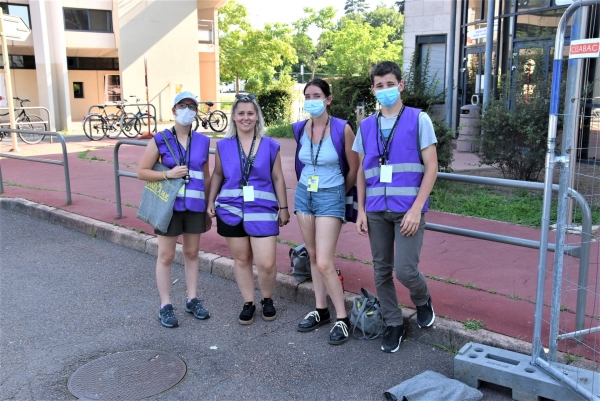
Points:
point(130, 375)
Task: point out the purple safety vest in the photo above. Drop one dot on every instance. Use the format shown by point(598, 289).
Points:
point(408, 170)
point(193, 198)
point(260, 217)
point(339, 142)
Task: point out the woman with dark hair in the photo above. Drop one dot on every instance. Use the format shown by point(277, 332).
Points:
point(326, 170)
point(251, 204)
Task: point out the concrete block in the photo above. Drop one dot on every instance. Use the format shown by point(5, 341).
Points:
point(223, 267)
point(152, 247)
point(206, 261)
point(122, 236)
point(286, 287)
point(305, 294)
point(475, 363)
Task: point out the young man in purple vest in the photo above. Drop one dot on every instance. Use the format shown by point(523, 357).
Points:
point(397, 170)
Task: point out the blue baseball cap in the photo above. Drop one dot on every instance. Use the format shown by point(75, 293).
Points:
point(185, 95)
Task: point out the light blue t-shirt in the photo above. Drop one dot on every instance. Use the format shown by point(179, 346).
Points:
point(328, 163)
point(426, 132)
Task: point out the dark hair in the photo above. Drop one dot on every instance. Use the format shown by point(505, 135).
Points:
point(384, 68)
point(319, 83)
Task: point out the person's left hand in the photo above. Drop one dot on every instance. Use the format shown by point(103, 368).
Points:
point(284, 217)
point(410, 222)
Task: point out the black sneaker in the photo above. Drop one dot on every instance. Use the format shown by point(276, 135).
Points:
point(247, 315)
point(425, 314)
point(268, 310)
point(313, 320)
point(195, 306)
point(392, 338)
point(339, 333)
point(167, 316)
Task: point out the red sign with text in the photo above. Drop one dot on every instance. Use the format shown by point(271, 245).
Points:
point(585, 48)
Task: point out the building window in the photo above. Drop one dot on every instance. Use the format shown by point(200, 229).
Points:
point(78, 19)
point(93, 63)
point(78, 90)
point(112, 88)
point(432, 55)
point(17, 10)
point(20, 62)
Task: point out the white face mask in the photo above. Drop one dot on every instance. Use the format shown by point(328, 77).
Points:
point(185, 116)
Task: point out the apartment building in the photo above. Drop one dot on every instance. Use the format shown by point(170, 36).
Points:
point(86, 52)
point(523, 47)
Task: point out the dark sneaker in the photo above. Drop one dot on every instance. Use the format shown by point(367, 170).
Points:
point(268, 310)
point(392, 338)
point(247, 315)
point(167, 316)
point(195, 306)
point(425, 314)
point(339, 333)
point(313, 320)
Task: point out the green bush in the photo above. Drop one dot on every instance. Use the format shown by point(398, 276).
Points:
point(280, 131)
point(445, 152)
point(345, 93)
point(276, 105)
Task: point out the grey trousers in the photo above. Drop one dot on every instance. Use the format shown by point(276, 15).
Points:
point(384, 230)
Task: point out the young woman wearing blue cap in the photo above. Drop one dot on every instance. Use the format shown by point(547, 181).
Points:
point(189, 215)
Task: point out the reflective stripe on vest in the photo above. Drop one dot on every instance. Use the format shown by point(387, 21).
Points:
point(260, 215)
point(404, 157)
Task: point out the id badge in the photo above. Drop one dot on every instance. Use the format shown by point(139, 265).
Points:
point(313, 183)
point(248, 193)
point(386, 173)
point(181, 191)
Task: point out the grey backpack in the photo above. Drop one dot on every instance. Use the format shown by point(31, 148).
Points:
point(366, 316)
point(300, 262)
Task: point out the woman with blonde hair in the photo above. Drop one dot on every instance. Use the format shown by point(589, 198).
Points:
point(248, 197)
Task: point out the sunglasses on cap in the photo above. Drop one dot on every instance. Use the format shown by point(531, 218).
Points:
point(245, 96)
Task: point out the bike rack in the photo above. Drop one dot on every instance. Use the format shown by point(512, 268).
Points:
point(120, 173)
point(46, 121)
point(124, 106)
point(64, 162)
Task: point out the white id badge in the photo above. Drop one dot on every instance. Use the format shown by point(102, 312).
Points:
point(313, 183)
point(386, 173)
point(181, 191)
point(248, 193)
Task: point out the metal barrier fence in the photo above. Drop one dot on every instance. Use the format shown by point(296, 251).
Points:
point(125, 105)
point(44, 121)
point(64, 162)
point(120, 173)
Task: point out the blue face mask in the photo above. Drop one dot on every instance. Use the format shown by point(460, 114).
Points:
point(388, 97)
point(314, 107)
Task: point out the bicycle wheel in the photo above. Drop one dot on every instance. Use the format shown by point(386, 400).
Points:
point(34, 123)
point(217, 121)
point(112, 126)
point(94, 127)
point(127, 125)
point(141, 124)
point(196, 123)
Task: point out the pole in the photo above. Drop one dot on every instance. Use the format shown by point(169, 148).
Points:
point(147, 98)
point(489, 48)
point(450, 80)
point(8, 85)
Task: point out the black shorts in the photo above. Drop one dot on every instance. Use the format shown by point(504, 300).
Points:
point(237, 231)
point(185, 222)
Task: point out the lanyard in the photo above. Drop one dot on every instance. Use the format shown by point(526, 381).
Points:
point(314, 158)
point(246, 162)
point(385, 155)
point(184, 157)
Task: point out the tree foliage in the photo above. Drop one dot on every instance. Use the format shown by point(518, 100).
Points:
point(355, 6)
point(308, 53)
point(245, 52)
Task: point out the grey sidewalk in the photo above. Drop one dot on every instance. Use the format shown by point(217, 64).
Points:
point(68, 298)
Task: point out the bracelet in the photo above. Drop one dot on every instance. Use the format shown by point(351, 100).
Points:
point(283, 208)
point(165, 174)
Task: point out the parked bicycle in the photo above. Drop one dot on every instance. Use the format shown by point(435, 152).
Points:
point(98, 125)
point(137, 121)
point(26, 121)
point(216, 119)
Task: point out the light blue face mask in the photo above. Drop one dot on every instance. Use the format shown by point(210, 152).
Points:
point(314, 107)
point(388, 97)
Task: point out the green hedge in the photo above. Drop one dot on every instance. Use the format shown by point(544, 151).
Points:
point(345, 93)
point(276, 105)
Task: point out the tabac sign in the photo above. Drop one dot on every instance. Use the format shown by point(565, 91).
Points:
point(585, 48)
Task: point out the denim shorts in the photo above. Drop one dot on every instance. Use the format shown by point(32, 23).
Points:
point(326, 202)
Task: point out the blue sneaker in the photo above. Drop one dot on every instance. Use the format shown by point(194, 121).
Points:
point(195, 306)
point(167, 316)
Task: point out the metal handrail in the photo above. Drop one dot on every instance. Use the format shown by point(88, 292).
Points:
point(64, 162)
point(120, 173)
point(125, 105)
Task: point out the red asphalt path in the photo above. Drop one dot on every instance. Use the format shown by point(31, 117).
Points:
point(491, 282)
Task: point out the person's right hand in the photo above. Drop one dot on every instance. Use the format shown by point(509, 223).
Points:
point(178, 172)
point(210, 210)
point(361, 224)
